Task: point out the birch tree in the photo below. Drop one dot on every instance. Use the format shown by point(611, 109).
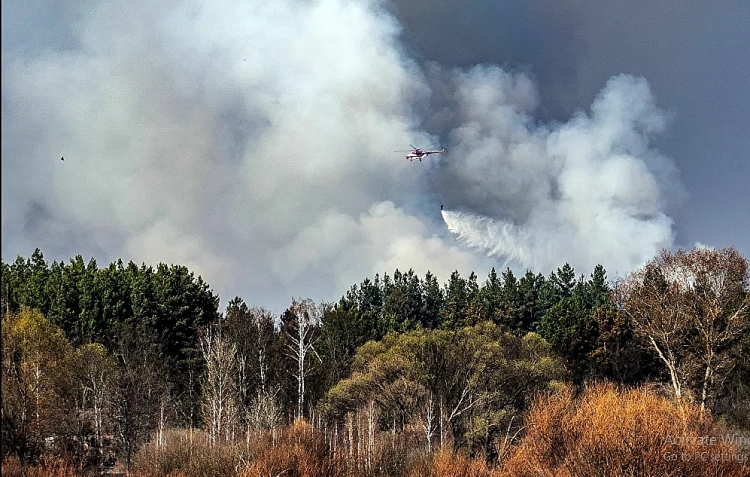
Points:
point(655, 305)
point(299, 325)
point(94, 370)
point(717, 283)
point(252, 331)
point(692, 307)
point(220, 393)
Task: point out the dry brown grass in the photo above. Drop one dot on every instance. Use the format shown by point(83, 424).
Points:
point(447, 464)
point(605, 432)
point(294, 451)
point(608, 432)
point(298, 451)
point(47, 467)
point(185, 453)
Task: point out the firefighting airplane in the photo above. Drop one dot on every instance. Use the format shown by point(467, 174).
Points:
point(417, 153)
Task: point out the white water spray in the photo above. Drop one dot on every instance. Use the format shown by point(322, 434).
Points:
point(497, 237)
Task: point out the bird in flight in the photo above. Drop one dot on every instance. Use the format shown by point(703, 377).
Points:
point(62, 158)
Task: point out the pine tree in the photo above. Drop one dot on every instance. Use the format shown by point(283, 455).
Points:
point(432, 302)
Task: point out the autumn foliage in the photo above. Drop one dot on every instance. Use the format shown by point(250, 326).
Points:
point(605, 431)
point(611, 432)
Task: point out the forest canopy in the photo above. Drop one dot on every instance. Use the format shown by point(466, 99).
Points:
point(98, 362)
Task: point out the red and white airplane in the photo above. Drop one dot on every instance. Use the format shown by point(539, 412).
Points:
point(417, 153)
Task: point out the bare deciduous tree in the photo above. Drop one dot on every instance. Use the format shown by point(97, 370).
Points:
point(717, 285)
point(264, 412)
point(220, 393)
point(252, 330)
point(300, 326)
point(138, 390)
point(653, 303)
point(692, 307)
point(263, 322)
point(94, 370)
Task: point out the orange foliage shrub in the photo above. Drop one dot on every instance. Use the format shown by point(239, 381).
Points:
point(47, 467)
point(297, 451)
point(608, 432)
point(449, 464)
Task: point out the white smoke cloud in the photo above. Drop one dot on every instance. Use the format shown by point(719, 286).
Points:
point(252, 141)
point(383, 238)
point(588, 191)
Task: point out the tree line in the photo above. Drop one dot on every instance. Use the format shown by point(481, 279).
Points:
point(97, 361)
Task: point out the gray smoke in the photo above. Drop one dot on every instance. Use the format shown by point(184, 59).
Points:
point(253, 142)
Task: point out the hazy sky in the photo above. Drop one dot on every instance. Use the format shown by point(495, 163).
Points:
point(253, 141)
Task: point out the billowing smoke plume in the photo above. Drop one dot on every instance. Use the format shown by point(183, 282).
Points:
point(587, 191)
point(253, 142)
